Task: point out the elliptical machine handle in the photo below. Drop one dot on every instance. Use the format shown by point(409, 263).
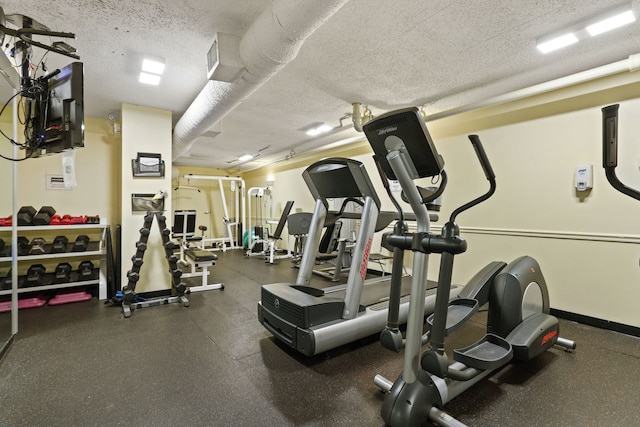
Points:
point(610, 150)
point(488, 172)
point(482, 156)
point(610, 136)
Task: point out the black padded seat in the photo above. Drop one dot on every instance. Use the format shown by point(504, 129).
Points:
point(199, 255)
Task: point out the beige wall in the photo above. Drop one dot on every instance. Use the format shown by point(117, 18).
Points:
point(587, 245)
point(146, 130)
point(97, 176)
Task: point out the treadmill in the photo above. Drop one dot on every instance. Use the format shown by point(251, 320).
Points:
point(312, 320)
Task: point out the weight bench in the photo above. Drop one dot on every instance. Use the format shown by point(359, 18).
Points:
point(201, 259)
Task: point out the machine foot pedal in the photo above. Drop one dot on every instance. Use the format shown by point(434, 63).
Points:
point(490, 353)
point(459, 311)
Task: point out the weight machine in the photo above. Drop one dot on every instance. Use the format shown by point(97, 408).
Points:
point(232, 238)
point(256, 241)
point(184, 223)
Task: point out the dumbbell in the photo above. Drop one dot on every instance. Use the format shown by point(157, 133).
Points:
point(133, 276)
point(25, 215)
point(85, 268)
point(38, 246)
point(69, 219)
point(23, 245)
point(43, 217)
point(81, 243)
point(56, 220)
point(6, 221)
point(1, 244)
point(63, 273)
point(137, 262)
point(35, 274)
point(5, 282)
point(59, 244)
point(176, 273)
point(95, 219)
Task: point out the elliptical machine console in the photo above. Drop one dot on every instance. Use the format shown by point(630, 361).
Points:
point(519, 324)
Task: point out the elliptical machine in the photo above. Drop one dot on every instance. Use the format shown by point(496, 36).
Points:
point(610, 150)
point(519, 324)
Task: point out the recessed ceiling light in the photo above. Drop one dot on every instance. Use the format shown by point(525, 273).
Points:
point(322, 128)
point(611, 23)
point(557, 43)
point(153, 66)
point(150, 79)
point(605, 22)
point(245, 158)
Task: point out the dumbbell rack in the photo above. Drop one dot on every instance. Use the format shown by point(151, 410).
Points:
point(95, 251)
point(133, 275)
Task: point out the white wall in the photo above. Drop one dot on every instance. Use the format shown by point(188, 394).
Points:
point(146, 130)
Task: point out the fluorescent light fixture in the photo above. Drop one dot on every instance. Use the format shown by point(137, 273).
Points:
point(153, 66)
point(600, 24)
point(150, 79)
point(317, 130)
point(611, 23)
point(245, 158)
point(557, 43)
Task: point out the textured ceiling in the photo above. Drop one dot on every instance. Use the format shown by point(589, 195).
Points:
point(440, 54)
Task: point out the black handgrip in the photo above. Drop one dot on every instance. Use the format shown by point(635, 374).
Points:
point(610, 136)
point(482, 156)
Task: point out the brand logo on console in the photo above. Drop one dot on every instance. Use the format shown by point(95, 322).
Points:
point(385, 131)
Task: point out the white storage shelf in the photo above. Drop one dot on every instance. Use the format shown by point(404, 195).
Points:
point(70, 231)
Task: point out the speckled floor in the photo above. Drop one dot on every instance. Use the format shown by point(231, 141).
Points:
point(212, 364)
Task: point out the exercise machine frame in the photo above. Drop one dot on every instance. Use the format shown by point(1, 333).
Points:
point(519, 325)
point(194, 257)
point(231, 240)
point(312, 320)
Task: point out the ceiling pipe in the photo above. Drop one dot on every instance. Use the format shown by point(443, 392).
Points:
point(271, 42)
point(358, 118)
point(632, 63)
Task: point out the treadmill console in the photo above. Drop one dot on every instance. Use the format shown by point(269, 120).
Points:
point(404, 130)
point(337, 178)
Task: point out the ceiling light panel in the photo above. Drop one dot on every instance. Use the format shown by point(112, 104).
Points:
point(557, 43)
point(611, 23)
point(153, 66)
point(149, 79)
point(602, 23)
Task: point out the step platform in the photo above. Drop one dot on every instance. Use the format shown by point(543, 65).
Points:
point(490, 353)
point(33, 302)
point(69, 297)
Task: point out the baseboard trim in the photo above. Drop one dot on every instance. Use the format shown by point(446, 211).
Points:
point(598, 323)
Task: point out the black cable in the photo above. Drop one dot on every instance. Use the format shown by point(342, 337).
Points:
point(35, 89)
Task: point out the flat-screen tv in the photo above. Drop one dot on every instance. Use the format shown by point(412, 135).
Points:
point(61, 126)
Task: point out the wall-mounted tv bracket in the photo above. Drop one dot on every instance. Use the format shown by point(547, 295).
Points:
point(27, 28)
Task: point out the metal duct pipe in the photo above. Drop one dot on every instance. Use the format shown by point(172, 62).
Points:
point(273, 41)
point(631, 64)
